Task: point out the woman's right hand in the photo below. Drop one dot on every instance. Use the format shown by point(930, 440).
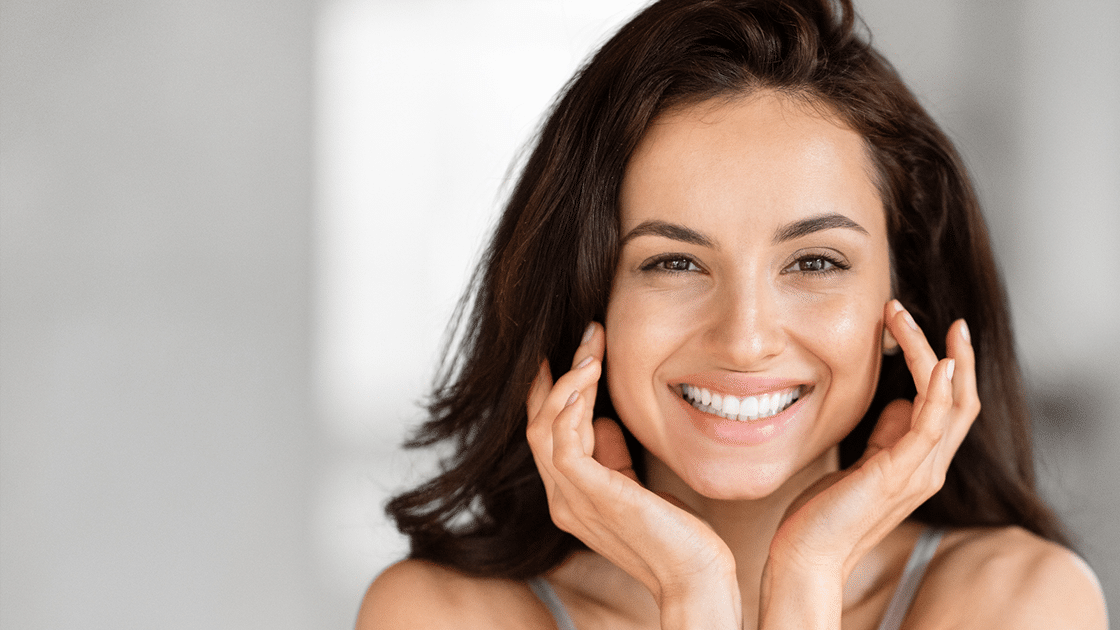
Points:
point(594, 494)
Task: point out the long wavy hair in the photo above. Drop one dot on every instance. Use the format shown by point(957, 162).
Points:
point(548, 271)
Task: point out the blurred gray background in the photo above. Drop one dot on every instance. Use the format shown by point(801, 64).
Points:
point(233, 232)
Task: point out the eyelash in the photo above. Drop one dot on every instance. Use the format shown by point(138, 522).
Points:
point(837, 265)
point(658, 264)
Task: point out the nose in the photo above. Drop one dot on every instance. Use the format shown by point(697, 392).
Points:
point(745, 328)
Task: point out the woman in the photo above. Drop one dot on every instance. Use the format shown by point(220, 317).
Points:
point(761, 226)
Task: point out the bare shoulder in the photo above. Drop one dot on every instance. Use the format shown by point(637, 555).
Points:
point(423, 595)
point(1008, 578)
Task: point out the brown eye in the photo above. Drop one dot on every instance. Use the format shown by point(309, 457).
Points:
point(814, 264)
point(671, 263)
point(679, 264)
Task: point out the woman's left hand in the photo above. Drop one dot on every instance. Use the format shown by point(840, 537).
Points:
point(834, 523)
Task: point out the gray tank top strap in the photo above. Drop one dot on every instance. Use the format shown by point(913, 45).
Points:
point(911, 578)
point(892, 620)
point(548, 597)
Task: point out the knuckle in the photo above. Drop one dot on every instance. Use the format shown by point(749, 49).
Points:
point(931, 435)
point(969, 408)
point(534, 434)
point(562, 517)
point(937, 480)
point(564, 461)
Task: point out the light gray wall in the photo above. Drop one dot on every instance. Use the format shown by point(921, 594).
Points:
point(163, 453)
point(155, 270)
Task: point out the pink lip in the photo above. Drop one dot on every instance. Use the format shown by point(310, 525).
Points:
point(740, 385)
point(738, 432)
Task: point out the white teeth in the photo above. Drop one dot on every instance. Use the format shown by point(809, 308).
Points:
point(749, 408)
point(730, 407)
point(743, 409)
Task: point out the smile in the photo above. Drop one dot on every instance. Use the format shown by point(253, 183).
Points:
point(746, 409)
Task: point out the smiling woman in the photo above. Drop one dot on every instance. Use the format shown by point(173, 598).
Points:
point(786, 393)
point(769, 281)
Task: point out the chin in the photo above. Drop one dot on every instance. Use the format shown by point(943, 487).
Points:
point(721, 480)
point(744, 484)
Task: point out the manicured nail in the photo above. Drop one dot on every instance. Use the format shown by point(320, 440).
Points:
point(950, 368)
point(910, 320)
point(896, 306)
point(588, 333)
point(964, 332)
point(572, 398)
point(584, 362)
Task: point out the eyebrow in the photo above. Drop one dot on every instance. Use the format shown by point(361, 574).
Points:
point(674, 231)
point(788, 232)
point(797, 229)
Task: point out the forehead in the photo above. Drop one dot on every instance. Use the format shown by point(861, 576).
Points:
point(768, 157)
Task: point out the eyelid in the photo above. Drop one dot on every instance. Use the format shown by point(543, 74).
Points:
point(838, 261)
point(653, 262)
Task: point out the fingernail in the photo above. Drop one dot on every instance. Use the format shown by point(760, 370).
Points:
point(950, 368)
point(910, 320)
point(588, 333)
point(896, 306)
point(584, 362)
point(964, 332)
point(572, 398)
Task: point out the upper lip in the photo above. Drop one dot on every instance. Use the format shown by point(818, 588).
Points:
point(739, 385)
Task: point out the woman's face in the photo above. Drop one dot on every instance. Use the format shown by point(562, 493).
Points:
point(745, 318)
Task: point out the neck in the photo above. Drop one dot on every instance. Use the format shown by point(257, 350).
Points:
point(747, 526)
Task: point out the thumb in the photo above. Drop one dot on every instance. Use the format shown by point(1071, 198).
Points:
point(610, 448)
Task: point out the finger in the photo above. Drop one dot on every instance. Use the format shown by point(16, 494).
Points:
point(915, 445)
point(933, 424)
point(675, 501)
point(590, 350)
point(920, 357)
point(591, 345)
point(966, 400)
point(545, 403)
point(538, 391)
point(610, 448)
point(601, 493)
point(569, 450)
point(933, 416)
point(536, 431)
point(581, 379)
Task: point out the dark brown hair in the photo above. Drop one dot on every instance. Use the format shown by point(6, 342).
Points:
point(548, 270)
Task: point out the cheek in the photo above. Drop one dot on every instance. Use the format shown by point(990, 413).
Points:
point(845, 335)
point(642, 330)
point(842, 327)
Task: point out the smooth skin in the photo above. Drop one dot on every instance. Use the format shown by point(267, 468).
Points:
point(715, 286)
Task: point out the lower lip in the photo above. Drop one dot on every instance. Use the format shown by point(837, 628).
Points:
point(739, 432)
